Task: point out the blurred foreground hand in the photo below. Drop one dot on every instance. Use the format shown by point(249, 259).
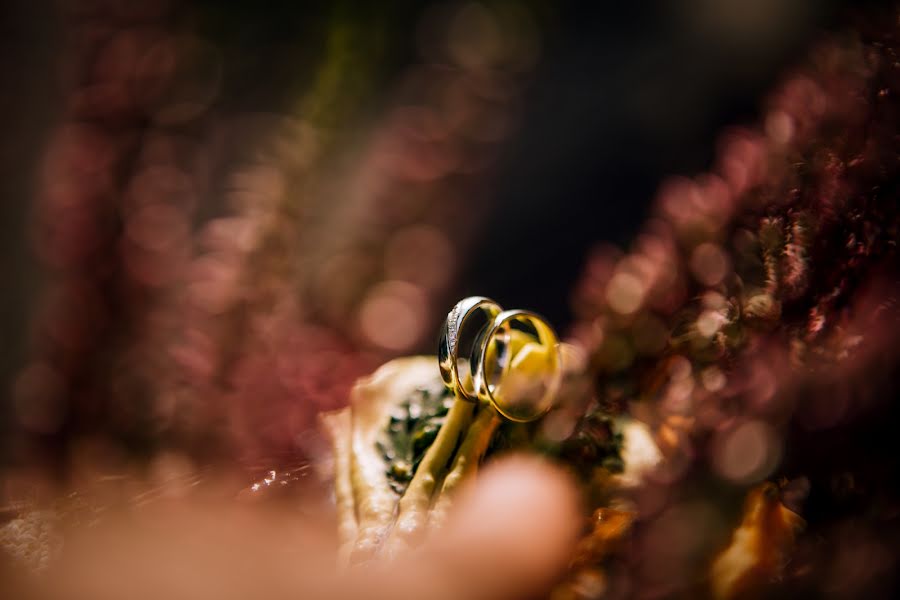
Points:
point(510, 536)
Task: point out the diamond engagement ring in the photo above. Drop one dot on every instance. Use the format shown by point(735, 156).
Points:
point(465, 323)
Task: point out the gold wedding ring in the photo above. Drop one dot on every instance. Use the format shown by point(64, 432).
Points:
point(508, 359)
point(518, 366)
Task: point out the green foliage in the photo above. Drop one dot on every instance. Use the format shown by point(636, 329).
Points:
point(412, 428)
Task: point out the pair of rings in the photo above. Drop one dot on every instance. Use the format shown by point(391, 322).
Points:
point(509, 359)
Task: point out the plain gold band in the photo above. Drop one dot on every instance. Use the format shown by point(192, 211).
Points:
point(547, 337)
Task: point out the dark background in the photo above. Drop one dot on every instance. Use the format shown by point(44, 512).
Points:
point(625, 94)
